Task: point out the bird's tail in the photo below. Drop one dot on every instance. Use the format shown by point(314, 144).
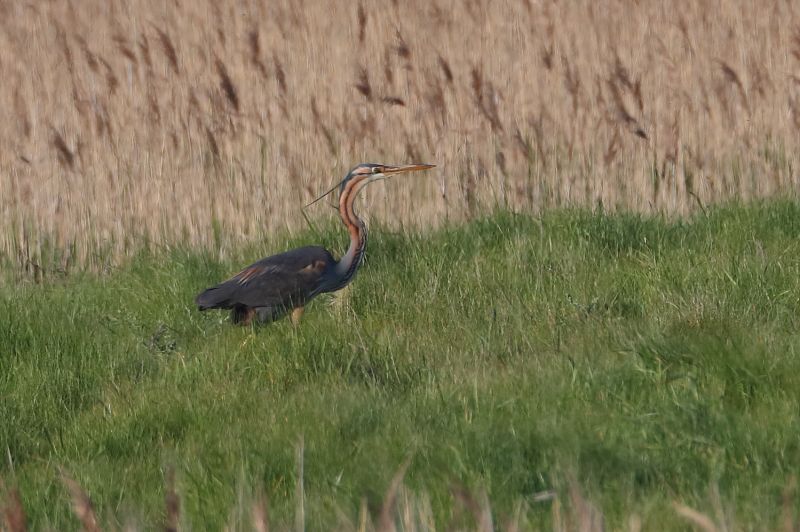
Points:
point(214, 297)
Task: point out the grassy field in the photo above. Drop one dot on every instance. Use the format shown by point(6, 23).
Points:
point(647, 361)
point(621, 335)
point(175, 121)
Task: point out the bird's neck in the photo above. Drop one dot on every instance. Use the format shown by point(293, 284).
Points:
point(349, 263)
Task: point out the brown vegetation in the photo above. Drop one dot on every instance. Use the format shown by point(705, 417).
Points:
point(166, 119)
point(405, 510)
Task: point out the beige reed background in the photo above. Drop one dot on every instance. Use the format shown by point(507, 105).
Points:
point(171, 121)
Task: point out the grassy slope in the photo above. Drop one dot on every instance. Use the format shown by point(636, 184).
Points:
point(648, 359)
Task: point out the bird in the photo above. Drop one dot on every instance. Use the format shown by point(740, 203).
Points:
point(280, 284)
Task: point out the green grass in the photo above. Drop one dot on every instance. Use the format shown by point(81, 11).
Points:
point(649, 360)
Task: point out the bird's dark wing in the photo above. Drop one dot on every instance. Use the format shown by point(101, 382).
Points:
point(284, 280)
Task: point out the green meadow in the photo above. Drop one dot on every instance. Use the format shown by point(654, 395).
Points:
point(508, 362)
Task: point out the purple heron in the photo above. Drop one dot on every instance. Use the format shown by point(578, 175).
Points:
point(283, 283)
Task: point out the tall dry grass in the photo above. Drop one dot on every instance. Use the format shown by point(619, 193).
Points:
point(404, 509)
point(125, 122)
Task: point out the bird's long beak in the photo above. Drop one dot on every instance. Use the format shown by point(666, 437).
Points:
point(389, 171)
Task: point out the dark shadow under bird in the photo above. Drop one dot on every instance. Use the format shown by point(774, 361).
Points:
point(283, 283)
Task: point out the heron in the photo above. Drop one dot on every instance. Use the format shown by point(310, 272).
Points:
point(284, 283)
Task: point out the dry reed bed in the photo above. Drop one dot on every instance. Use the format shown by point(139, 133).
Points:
point(176, 121)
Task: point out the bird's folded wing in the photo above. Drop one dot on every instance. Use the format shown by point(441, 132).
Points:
point(269, 285)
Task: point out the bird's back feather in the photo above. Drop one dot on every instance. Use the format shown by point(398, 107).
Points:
point(281, 280)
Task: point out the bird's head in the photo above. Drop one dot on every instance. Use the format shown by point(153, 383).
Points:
point(367, 172)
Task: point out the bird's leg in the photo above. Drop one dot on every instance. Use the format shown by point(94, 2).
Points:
point(297, 313)
point(249, 314)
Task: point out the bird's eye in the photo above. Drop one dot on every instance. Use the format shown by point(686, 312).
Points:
point(376, 170)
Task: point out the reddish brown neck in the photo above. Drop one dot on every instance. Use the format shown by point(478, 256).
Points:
point(349, 263)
